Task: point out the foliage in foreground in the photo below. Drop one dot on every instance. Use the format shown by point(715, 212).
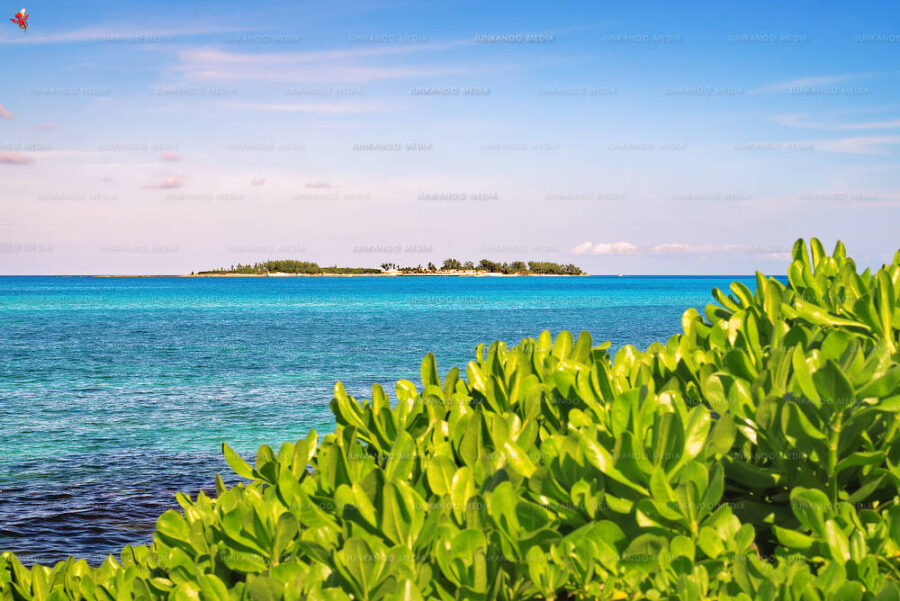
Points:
point(754, 456)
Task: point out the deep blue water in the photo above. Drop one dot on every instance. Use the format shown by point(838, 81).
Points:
point(117, 392)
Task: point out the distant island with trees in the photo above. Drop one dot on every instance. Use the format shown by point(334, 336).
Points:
point(448, 267)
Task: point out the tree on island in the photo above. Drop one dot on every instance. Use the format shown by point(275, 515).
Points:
point(449, 265)
point(518, 267)
point(489, 266)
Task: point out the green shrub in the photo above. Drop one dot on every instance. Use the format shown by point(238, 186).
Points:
point(756, 455)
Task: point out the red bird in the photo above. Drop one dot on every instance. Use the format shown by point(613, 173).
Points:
point(21, 19)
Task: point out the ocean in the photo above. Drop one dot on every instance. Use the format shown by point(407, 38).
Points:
point(115, 393)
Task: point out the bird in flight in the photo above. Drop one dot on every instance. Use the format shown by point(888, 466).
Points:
point(21, 19)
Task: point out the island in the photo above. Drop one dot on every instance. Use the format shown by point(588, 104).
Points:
point(450, 267)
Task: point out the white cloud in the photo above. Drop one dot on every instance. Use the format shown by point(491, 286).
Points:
point(166, 183)
point(672, 248)
point(802, 120)
point(860, 145)
point(775, 256)
point(809, 82)
point(346, 65)
point(114, 34)
point(318, 108)
point(15, 158)
point(606, 248)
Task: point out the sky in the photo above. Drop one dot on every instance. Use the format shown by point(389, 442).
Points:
point(639, 138)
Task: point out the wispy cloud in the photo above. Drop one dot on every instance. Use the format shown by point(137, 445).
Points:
point(115, 34)
point(15, 158)
point(856, 196)
point(802, 120)
point(342, 65)
point(671, 248)
point(860, 145)
point(169, 157)
point(606, 248)
point(166, 183)
point(810, 82)
point(316, 108)
point(5, 114)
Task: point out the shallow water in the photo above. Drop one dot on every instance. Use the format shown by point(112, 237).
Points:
point(116, 393)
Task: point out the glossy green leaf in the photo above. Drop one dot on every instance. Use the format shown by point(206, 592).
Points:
point(237, 463)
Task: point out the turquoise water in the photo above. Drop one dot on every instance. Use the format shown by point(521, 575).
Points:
point(117, 392)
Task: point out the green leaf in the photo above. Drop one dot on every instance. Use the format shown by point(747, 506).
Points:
point(237, 463)
point(352, 503)
point(582, 351)
point(713, 495)
point(518, 459)
point(799, 252)
point(849, 591)
point(173, 527)
point(886, 303)
point(285, 532)
point(820, 316)
point(870, 485)
point(396, 515)
point(893, 519)
point(710, 543)
point(889, 405)
point(799, 424)
point(837, 541)
point(803, 375)
point(244, 561)
point(502, 507)
point(812, 508)
point(439, 473)
point(429, 371)
point(401, 458)
point(883, 386)
point(722, 437)
point(462, 488)
point(818, 251)
point(407, 591)
point(833, 386)
point(793, 539)
point(362, 567)
point(563, 345)
point(682, 546)
point(346, 409)
point(891, 591)
point(471, 445)
point(644, 551)
point(600, 458)
point(696, 432)
point(861, 458)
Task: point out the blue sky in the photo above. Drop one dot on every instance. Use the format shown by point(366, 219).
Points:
point(646, 137)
